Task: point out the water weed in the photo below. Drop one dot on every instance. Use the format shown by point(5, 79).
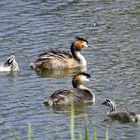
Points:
point(72, 127)
point(72, 119)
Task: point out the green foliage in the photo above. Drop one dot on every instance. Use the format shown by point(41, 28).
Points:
point(14, 134)
point(29, 132)
point(72, 128)
point(72, 119)
point(106, 134)
point(86, 134)
point(95, 134)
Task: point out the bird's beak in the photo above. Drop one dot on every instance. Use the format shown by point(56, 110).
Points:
point(91, 46)
point(104, 103)
point(6, 63)
point(92, 79)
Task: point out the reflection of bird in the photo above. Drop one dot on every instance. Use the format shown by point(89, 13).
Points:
point(121, 116)
point(62, 60)
point(10, 65)
point(80, 94)
point(57, 73)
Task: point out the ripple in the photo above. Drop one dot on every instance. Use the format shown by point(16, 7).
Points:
point(30, 27)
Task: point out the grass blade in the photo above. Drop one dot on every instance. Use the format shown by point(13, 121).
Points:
point(80, 137)
point(95, 134)
point(15, 136)
point(86, 133)
point(29, 132)
point(106, 134)
point(72, 119)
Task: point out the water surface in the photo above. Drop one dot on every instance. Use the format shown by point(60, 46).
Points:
point(28, 28)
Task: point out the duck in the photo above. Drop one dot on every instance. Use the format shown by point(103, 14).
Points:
point(56, 59)
point(80, 94)
point(120, 116)
point(10, 65)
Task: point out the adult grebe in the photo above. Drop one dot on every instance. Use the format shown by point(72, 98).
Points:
point(61, 59)
point(9, 65)
point(80, 93)
point(121, 116)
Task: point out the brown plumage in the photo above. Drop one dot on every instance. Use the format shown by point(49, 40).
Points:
point(79, 93)
point(61, 59)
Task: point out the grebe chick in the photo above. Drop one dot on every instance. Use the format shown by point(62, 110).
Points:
point(121, 116)
point(61, 59)
point(10, 65)
point(80, 93)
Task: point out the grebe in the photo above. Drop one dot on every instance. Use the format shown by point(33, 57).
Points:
point(9, 65)
point(121, 116)
point(80, 93)
point(61, 59)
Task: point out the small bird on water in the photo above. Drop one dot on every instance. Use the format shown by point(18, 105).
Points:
point(121, 116)
point(10, 65)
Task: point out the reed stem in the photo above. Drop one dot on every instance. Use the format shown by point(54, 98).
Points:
point(72, 119)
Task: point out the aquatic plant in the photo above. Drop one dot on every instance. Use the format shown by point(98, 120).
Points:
point(72, 119)
point(72, 128)
point(16, 137)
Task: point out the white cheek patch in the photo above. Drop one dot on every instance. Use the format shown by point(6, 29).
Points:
point(109, 104)
point(84, 78)
point(85, 44)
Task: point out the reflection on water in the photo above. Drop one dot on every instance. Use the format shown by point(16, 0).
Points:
point(10, 75)
point(30, 27)
point(78, 109)
point(59, 72)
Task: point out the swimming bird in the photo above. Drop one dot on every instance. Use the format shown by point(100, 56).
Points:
point(121, 116)
point(9, 65)
point(61, 59)
point(80, 94)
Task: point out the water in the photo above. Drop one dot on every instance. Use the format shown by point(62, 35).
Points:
point(30, 27)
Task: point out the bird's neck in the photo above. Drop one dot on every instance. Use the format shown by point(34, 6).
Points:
point(78, 56)
point(15, 66)
point(87, 90)
point(113, 109)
